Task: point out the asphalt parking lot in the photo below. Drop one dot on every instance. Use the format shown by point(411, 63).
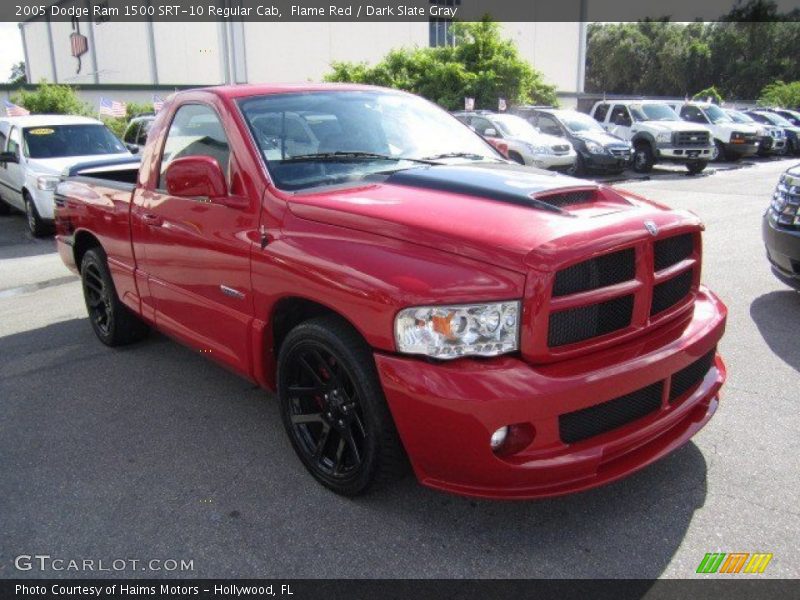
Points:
point(152, 452)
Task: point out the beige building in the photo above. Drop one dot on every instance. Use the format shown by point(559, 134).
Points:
point(130, 61)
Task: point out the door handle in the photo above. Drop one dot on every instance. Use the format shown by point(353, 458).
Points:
point(152, 219)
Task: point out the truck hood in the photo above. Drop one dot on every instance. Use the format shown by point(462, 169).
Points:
point(673, 126)
point(507, 215)
point(55, 166)
point(737, 127)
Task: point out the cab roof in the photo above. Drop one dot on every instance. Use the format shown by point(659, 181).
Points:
point(257, 89)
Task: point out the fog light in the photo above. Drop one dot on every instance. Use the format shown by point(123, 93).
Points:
point(498, 437)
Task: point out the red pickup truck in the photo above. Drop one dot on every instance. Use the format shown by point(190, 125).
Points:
point(410, 295)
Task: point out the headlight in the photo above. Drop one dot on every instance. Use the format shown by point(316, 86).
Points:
point(595, 148)
point(664, 136)
point(448, 332)
point(47, 183)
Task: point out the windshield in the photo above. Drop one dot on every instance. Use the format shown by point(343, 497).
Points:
point(332, 137)
point(59, 141)
point(578, 122)
point(514, 126)
point(740, 117)
point(776, 119)
point(716, 114)
point(653, 112)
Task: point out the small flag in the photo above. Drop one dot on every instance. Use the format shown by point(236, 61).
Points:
point(469, 103)
point(12, 110)
point(112, 108)
point(501, 104)
point(158, 103)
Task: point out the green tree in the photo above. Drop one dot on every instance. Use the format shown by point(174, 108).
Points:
point(18, 74)
point(50, 98)
point(781, 94)
point(710, 92)
point(482, 65)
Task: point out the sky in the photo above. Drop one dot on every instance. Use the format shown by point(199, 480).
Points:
point(10, 49)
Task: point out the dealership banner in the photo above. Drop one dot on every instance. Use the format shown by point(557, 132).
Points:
point(386, 10)
point(403, 589)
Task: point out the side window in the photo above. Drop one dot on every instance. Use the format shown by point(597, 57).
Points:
point(600, 112)
point(3, 139)
point(141, 137)
point(481, 125)
point(620, 116)
point(195, 131)
point(693, 114)
point(13, 141)
point(130, 133)
point(549, 125)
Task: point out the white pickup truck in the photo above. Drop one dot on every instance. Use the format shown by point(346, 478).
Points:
point(732, 140)
point(35, 149)
point(656, 132)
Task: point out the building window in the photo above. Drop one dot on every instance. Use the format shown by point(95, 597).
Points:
point(440, 30)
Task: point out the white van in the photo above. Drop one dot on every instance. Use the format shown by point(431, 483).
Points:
point(35, 149)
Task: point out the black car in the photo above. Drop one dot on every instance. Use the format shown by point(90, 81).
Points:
point(792, 132)
point(792, 116)
point(781, 228)
point(597, 150)
point(135, 135)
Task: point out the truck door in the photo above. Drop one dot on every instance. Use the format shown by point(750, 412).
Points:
point(194, 253)
point(12, 175)
point(620, 122)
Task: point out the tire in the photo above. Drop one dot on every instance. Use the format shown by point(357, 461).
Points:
point(516, 157)
point(579, 168)
point(718, 153)
point(643, 158)
point(113, 323)
point(696, 167)
point(333, 408)
point(36, 225)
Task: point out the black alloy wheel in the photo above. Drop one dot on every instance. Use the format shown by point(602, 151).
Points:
point(333, 407)
point(98, 299)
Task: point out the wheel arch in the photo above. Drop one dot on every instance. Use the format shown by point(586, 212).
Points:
point(83, 241)
point(644, 137)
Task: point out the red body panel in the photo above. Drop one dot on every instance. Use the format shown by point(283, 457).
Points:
point(366, 252)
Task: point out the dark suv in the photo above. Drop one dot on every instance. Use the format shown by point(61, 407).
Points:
point(597, 149)
point(781, 228)
point(135, 135)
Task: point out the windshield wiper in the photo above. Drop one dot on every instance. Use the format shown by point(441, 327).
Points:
point(346, 156)
point(471, 155)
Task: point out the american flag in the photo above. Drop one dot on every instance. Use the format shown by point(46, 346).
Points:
point(112, 108)
point(158, 103)
point(12, 110)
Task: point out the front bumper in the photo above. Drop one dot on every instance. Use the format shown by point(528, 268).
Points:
point(606, 162)
point(446, 412)
point(783, 251)
point(553, 161)
point(684, 154)
point(741, 150)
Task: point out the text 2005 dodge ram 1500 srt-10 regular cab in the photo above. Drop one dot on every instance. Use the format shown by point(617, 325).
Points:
point(411, 296)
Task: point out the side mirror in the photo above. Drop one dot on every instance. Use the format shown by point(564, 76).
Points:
point(132, 148)
point(196, 177)
point(490, 132)
point(8, 157)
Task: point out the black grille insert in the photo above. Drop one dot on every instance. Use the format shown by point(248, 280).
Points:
point(691, 139)
point(594, 420)
point(691, 376)
point(564, 199)
point(585, 322)
point(671, 292)
point(602, 271)
point(672, 250)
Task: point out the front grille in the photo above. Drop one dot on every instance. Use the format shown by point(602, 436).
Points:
point(594, 420)
point(620, 152)
point(670, 292)
point(690, 139)
point(691, 376)
point(672, 250)
point(785, 205)
point(565, 199)
point(585, 322)
point(561, 149)
point(605, 270)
